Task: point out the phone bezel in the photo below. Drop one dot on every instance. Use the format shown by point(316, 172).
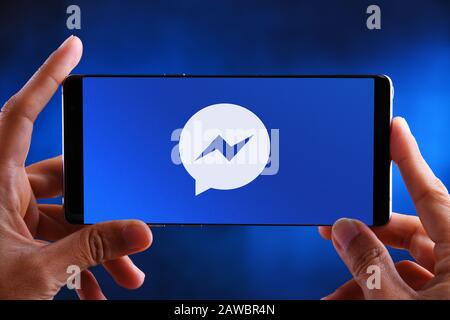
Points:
point(73, 186)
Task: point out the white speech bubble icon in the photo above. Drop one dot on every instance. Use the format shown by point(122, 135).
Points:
point(224, 146)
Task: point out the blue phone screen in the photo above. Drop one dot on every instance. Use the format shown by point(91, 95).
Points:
point(314, 161)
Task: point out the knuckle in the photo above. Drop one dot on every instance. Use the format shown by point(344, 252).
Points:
point(49, 75)
point(5, 111)
point(10, 110)
point(8, 105)
point(96, 250)
point(440, 185)
point(437, 193)
point(441, 189)
point(373, 256)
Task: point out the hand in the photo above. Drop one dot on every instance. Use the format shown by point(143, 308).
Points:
point(427, 238)
point(36, 244)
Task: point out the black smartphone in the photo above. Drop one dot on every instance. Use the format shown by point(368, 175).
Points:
point(227, 150)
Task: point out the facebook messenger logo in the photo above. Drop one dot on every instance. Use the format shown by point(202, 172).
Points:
point(224, 146)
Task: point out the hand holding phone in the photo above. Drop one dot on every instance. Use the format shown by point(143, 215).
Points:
point(40, 251)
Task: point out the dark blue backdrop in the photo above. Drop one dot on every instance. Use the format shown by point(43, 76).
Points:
point(250, 37)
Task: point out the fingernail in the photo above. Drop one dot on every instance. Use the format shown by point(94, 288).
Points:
point(142, 274)
point(139, 273)
point(344, 231)
point(405, 125)
point(136, 236)
point(65, 41)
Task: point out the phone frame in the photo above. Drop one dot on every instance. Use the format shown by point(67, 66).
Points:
point(73, 184)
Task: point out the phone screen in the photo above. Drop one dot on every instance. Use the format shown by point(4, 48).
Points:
point(313, 164)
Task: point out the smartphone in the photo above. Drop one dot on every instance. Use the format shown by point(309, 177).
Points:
point(227, 150)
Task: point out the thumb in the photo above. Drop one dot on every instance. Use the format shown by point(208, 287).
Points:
point(369, 261)
point(94, 245)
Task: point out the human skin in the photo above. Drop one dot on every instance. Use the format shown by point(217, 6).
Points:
point(37, 245)
point(426, 237)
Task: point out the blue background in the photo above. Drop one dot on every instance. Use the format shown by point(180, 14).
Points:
point(243, 37)
point(326, 150)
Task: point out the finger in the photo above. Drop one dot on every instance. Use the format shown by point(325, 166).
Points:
point(402, 232)
point(125, 273)
point(53, 226)
point(36, 93)
point(46, 177)
point(428, 193)
point(361, 251)
point(96, 244)
point(325, 232)
point(19, 112)
point(90, 289)
point(414, 275)
point(407, 232)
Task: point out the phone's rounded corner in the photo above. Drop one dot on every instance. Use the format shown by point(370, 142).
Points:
point(387, 80)
point(71, 78)
point(72, 218)
point(381, 221)
point(384, 77)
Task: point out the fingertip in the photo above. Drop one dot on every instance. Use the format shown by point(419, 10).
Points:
point(325, 232)
point(400, 123)
point(344, 231)
point(147, 231)
point(137, 235)
point(134, 279)
point(139, 279)
point(72, 40)
point(76, 46)
point(401, 139)
point(73, 48)
point(360, 249)
point(125, 273)
point(403, 124)
point(399, 127)
point(77, 43)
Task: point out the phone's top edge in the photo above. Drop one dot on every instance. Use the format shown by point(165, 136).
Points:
point(183, 75)
point(71, 77)
point(391, 83)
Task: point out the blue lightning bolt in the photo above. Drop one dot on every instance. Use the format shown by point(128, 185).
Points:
point(221, 145)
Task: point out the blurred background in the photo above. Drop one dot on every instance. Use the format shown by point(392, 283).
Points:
point(242, 37)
